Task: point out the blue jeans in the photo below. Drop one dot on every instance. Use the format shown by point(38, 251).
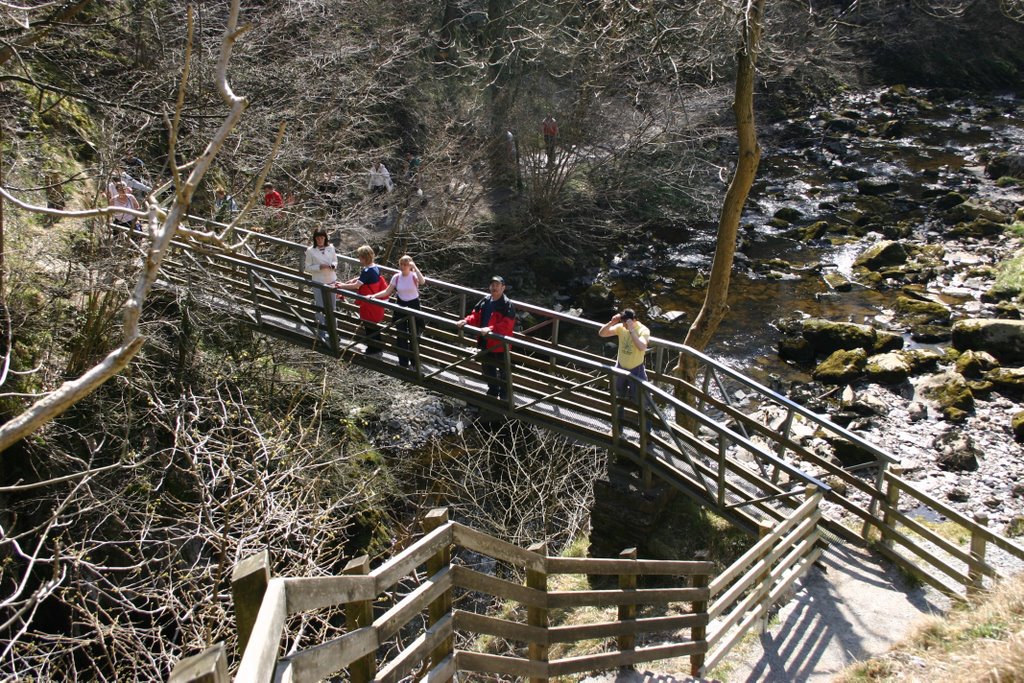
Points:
point(625, 387)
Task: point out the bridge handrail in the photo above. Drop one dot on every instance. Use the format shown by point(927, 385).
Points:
point(755, 386)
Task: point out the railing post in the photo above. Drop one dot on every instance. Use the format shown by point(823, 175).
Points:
point(510, 384)
point(723, 449)
point(892, 501)
point(443, 604)
point(357, 615)
point(554, 342)
point(764, 528)
point(255, 298)
point(330, 299)
point(209, 666)
point(627, 582)
point(614, 406)
point(414, 344)
point(780, 450)
point(978, 542)
point(249, 581)
point(699, 633)
point(538, 616)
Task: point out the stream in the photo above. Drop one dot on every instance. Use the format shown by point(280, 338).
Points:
point(910, 146)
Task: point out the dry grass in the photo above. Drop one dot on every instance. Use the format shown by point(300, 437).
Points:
point(983, 641)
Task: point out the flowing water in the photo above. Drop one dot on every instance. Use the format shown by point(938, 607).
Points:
point(812, 166)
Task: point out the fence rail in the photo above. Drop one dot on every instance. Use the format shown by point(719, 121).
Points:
point(648, 624)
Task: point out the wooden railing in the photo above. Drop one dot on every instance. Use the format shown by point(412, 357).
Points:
point(643, 624)
point(740, 463)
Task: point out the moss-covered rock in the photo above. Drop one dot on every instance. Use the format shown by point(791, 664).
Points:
point(980, 227)
point(971, 211)
point(827, 336)
point(973, 363)
point(922, 312)
point(886, 341)
point(841, 367)
point(924, 360)
point(949, 392)
point(1004, 339)
point(949, 200)
point(796, 349)
point(1017, 424)
point(1007, 379)
point(884, 254)
point(888, 368)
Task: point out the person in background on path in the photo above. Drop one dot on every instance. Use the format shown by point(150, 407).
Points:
point(494, 313)
point(406, 284)
point(379, 180)
point(125, 200)
point(131, 184)
point(550, 129)
point(633, 338)
point(412, 170)
point(368, 283)
point(271, 197)
point(322, 265)
point(224, 206)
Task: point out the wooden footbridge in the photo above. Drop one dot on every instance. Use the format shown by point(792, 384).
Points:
point(744, 452)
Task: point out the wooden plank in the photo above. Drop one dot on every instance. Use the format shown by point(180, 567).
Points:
point(471, 539)
point(955, 516)
point(412, 604)
point(260, 658)
point(481, 624)
point(306, 594)
point(943, 543)
point(641, 596)
point(416, 652)
point(500, 588)
point(400, 566)
point(498, 664)
point(613, 660)
point(442, 672)
point(612, 629)
point(323, 660)
point(960, 577)
point(610, 566)
point(798, 518)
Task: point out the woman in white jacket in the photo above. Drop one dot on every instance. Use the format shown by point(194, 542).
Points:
point(322, 264)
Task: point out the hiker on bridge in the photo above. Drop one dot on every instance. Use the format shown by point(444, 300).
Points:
point(633, 338)
point(406, 284)
point(368, 282)
point(322, 265)
point(124, 199)
point(494, 313)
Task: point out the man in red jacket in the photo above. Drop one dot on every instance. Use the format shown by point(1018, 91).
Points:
point(493, 314)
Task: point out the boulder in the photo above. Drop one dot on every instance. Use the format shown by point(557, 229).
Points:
point(973, 363)
point(884, 254)
point(877, 186)
point(826, 336)
point(1017, 424)
point(1007, 379)
point(796, 349)
point(1005, 164)
point(841, 367)
point(949, 200)
point(972, 211)
point(979, 227)
point(848, 453)
point(921, 312)
point(886, 341)
point(956, 452)
point(949, 392)
point(1004, 339)
point(888, 368)
point(788, 214)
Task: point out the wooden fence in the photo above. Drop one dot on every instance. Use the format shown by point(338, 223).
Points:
point(641, 624)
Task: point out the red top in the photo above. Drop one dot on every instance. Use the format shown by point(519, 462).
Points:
point(550, 127)
point(273, 198)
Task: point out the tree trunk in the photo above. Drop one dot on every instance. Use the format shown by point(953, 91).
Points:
point(716, 298)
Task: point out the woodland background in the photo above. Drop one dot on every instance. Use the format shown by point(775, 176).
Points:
point(121, 520)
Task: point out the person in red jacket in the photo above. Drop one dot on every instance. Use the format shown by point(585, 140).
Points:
point(494, 313)
point(368, 283)
point(271, 197)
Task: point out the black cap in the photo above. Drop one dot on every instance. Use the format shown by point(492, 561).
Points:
point(627, 314)
point(499, 279)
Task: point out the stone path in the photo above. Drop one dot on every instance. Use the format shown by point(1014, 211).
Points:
point(855, 607)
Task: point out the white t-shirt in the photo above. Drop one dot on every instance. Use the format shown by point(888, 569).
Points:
point(406, 286)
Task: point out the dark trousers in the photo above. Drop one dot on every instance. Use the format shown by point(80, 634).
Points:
point(371, 336)
point(494, 373)
point(403, 325)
